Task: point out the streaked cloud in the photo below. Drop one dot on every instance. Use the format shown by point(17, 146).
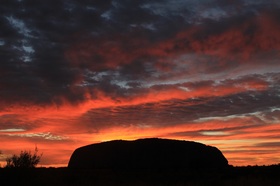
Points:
point(74, 73)
point(12, 130)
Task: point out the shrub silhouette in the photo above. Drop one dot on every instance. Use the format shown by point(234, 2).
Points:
point(25, 160)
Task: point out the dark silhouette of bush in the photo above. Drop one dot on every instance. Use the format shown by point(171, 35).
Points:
point(25, 160)
point(148, 154)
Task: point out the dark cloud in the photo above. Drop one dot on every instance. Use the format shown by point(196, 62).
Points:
point(269, 144)
point(141, 64)
point(258, 105)
point(47, 45)
point(11, 121)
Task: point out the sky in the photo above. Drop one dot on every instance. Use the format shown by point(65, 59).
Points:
point(73, 73)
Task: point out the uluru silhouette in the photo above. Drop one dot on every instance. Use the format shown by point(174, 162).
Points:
point(151, 153)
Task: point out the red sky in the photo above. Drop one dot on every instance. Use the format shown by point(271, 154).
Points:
point(75, 73)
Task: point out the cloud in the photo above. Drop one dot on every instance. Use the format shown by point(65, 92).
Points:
point(72, 39)
point(85, 71)
point(269, 144)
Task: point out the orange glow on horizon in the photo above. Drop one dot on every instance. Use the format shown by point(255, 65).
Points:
point(233, 146)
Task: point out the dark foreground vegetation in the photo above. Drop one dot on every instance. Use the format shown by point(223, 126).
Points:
point(241, 176)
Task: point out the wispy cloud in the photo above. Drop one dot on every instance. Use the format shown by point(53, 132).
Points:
point(74, 73)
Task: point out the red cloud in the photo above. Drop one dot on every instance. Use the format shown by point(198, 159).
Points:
point(107, 52)
point(230, 41)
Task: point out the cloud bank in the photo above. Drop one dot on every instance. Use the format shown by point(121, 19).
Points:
point(74, 73)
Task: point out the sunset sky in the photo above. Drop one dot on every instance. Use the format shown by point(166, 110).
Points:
point(73, 73)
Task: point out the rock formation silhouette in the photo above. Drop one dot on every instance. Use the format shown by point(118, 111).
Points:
point(152, 153)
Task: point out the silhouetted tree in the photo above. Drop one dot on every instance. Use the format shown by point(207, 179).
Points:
point(0, 156)
point(25, 160)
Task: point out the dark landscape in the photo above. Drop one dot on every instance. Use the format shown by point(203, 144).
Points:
point(145, 162)
point(241, 176)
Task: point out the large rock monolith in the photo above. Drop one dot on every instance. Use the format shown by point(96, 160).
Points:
point(152, 153)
